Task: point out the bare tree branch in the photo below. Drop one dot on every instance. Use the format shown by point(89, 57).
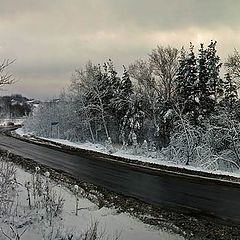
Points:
point(233, 64)
point(6, 78)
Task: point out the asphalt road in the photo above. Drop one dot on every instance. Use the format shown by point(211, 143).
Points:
point(164, 189)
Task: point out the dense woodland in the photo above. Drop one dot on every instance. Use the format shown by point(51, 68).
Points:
point(181, 103)
point(14, 106)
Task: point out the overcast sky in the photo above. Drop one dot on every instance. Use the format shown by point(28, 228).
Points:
point(50, 38)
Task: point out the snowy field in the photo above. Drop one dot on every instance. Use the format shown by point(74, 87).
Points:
point(28, 218)
point(128, 153)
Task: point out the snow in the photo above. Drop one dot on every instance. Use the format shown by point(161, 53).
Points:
point(155, 158)
point(168, 114)
point(13, 120)
point(110, 222)
point(20, 132)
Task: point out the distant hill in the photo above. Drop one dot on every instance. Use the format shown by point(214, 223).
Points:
point(16, 106)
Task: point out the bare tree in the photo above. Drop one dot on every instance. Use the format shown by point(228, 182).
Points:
point(6, 78)
point(141, 71)
point(164, 64)
point(155, 82)
point(233, 64)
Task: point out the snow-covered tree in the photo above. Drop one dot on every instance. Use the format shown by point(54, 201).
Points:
point(93, 84)
point(121, 102)
point(230, 91)
point(126, 84)
point(206, 101)
point(214, 84)
point(154, 106)
point(233, 64)
point(222, 136)
point(184, 141)
point(133, 122)
point(187, 82)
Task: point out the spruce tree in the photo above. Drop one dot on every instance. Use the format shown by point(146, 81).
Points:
point(123, 105)
point(126, 84)
point(215, 83)
point(133, 121)
point(114, 81)
point(204, 93)
point(125, 92)
point(230, 91)
point(186, 81)
point(180, 79)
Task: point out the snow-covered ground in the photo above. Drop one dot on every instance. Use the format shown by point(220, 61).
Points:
point(110, 222)
point(128, 154)
point(13, 120)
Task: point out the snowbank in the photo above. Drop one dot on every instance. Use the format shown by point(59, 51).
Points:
point(110, 223)
point(126, 153)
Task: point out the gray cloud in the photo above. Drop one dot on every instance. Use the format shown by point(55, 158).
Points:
point(49, 39)
point(177, 14)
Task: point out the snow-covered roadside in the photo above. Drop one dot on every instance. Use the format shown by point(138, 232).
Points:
point(126, 153)
point(109, 221)
point(16, 121)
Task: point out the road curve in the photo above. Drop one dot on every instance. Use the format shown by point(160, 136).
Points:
point(158, 188)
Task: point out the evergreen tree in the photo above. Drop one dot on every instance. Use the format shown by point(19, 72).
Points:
point(214, 84)
point(99, 97)
point(126, 84)
point(114, 81)
point(123, 102)
point(204, 93)
point(133, 122)
point(111, 86)
point(180, 79)
point(186, 81)
point(123, 95)
point(106, 80)
point(230, 93)
point(108, 85)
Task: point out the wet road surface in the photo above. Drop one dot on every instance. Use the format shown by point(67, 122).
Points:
point(166, 189)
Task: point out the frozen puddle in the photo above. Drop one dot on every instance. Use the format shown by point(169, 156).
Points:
point(110, 223)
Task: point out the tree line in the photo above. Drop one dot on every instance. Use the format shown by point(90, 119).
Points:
point(170, 100)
